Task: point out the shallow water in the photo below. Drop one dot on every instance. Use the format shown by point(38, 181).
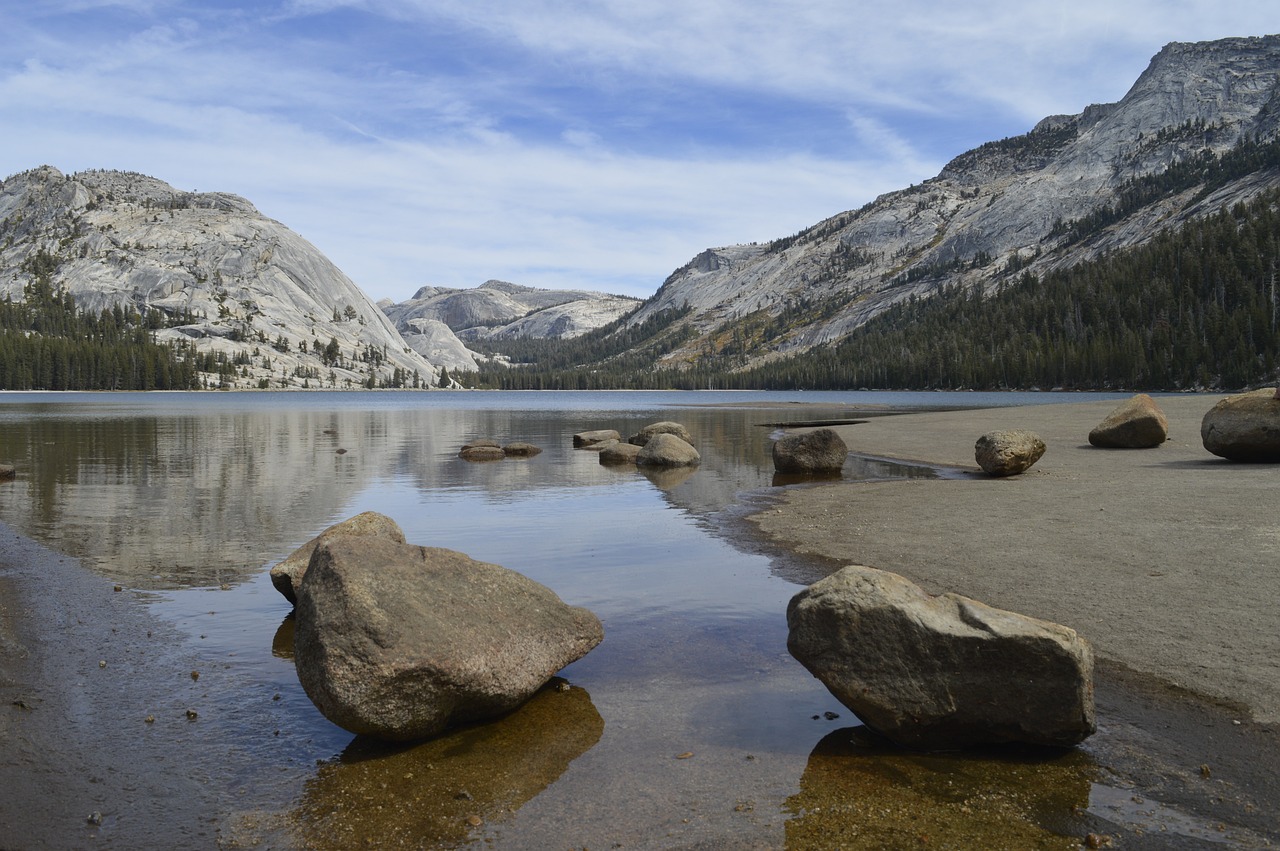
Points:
point(186, 499)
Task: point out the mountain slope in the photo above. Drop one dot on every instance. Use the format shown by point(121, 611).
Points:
point(993, 212)
point(270, 308)
point(499, 310)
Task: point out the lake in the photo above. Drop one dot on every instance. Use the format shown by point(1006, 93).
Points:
point(690, 724)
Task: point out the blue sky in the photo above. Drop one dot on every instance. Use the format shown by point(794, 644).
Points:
point(592, 145)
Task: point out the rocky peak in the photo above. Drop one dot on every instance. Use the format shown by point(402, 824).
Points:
point(227, 280)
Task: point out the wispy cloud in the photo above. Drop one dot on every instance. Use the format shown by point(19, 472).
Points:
point(598, 145)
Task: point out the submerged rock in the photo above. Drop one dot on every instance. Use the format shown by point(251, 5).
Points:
point(287, 575)
point(1007, 453)
point(644, 435)
point(1244, 427)
point(941, 672)
point(590, 438)
point(667, 450)
point(519, 449)
point(482, 453)
point(1137, 424)
point(401, 642)
point(818, 451)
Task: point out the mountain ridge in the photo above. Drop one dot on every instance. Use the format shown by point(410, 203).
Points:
point(990, 213)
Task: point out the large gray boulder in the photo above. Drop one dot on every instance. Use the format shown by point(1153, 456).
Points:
point(941, 672)
point(401, 642)
point(818, 451)
point(1244, 427)
point(1138, 423)
point(1007, 453)
point(667, 450)
point(644, 435)
point(585, 439)
point(287, 575)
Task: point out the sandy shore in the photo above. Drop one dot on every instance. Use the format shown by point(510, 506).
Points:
point(1163, 558)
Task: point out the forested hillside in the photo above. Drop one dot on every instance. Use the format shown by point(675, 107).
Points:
point(1194, 308)
point(47, 344)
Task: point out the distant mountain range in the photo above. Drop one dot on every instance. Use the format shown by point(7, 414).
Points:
point(1195, 135)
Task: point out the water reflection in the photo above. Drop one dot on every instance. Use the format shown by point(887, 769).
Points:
point(859, 792)
point(448, 790)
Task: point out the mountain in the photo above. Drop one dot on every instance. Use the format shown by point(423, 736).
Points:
point(1073, 189)
point(497, 310)
point(261, 305)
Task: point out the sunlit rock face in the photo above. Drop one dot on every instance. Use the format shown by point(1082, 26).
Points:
point(504, 311)
point(992, 212)
point(225, 277)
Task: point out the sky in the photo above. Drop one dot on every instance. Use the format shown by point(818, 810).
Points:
point(584, 144)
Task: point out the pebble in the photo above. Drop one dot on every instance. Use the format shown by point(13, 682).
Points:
point(95, 817)
point(475, 821)
point(684, 755)
point(192, 715)
point(150, 719)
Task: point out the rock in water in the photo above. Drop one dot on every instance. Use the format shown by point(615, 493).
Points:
point(400, 642)
point(591, 438)
point(941, 672)
point(482, 453)
point(287, 575)
point(616, 454)
point(667, 450)
point(1244, 427)
point(819, 451)
point(643, 436)
point(1007, 453)
point(520, 449)
point(1137, 424)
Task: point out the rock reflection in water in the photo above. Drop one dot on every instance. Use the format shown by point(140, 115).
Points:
point(447, 790)
point(860, 792)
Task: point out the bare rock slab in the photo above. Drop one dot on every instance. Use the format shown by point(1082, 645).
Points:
point(401, 642)
point(1138, 423)
point(1244, 427)
point(667, 450)
point(1008, 453)
point(941, 672)
point(818, 451)
point(287, 575)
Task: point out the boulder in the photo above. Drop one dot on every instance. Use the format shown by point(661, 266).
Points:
point(667, 450)
point(482, 453)
point(643, 436)
point(1007, 453)
point(520, 449)
point(1137, 424)
point(591, 438)
point(818, 451)
point(287, 575)
point(480, 441)
point(941, 672)
point(1244, 427)
point(8, 471)
point(615, 453)
point(401, 642)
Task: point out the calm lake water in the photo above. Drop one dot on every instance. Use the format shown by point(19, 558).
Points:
point(186, 500)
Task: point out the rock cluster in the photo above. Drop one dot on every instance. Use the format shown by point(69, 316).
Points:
point(487, 449)
point(1137, 424)
point(1008, 453)
point(818, 451)
point(401, 642)
point(941, 672)
point(1244, 427)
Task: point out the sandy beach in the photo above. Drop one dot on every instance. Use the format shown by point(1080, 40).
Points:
point(1163, 558)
